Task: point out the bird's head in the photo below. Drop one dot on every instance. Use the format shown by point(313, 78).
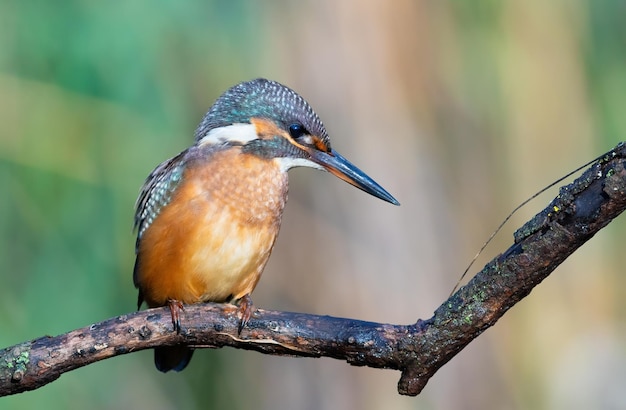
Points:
point(272, 121)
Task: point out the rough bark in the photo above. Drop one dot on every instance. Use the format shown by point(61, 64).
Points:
point(418, 350)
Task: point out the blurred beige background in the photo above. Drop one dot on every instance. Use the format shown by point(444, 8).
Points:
point(460, 109)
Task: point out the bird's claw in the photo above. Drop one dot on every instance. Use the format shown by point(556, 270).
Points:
point(246, 309)
point(176, 306)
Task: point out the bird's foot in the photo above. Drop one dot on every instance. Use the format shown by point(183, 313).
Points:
point(176, 306)
point(246, 309)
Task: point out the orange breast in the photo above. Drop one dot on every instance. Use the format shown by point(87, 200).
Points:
point(212, 241)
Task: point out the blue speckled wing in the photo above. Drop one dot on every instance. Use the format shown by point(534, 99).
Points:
point(157, 192)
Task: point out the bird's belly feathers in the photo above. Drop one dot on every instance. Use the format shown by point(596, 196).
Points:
point(213, 240)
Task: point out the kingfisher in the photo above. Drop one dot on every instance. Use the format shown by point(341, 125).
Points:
point(207, 219)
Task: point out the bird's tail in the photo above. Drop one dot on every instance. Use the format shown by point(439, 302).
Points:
point(172, 358)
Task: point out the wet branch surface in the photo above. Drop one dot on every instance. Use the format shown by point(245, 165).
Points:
point(418, 350)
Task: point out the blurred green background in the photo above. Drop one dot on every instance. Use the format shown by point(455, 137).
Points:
point(460, 109)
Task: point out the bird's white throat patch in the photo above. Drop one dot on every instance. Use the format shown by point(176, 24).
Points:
point(286, 163)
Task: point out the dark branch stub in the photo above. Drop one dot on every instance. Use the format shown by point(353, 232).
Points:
point(579, 211)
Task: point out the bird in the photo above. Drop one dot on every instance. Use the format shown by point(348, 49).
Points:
point(207, 219)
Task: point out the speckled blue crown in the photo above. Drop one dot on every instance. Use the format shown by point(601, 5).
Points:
point(261, 98)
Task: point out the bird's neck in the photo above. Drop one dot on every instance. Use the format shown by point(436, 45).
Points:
point(253, 189)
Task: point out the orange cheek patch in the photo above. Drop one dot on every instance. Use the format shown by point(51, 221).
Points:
point(266, 128)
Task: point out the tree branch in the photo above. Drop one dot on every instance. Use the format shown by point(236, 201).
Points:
point(579, 211)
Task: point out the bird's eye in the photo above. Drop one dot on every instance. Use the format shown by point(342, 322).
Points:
point(296, 131)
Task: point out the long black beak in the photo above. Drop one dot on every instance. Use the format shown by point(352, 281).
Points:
point(337, 165)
